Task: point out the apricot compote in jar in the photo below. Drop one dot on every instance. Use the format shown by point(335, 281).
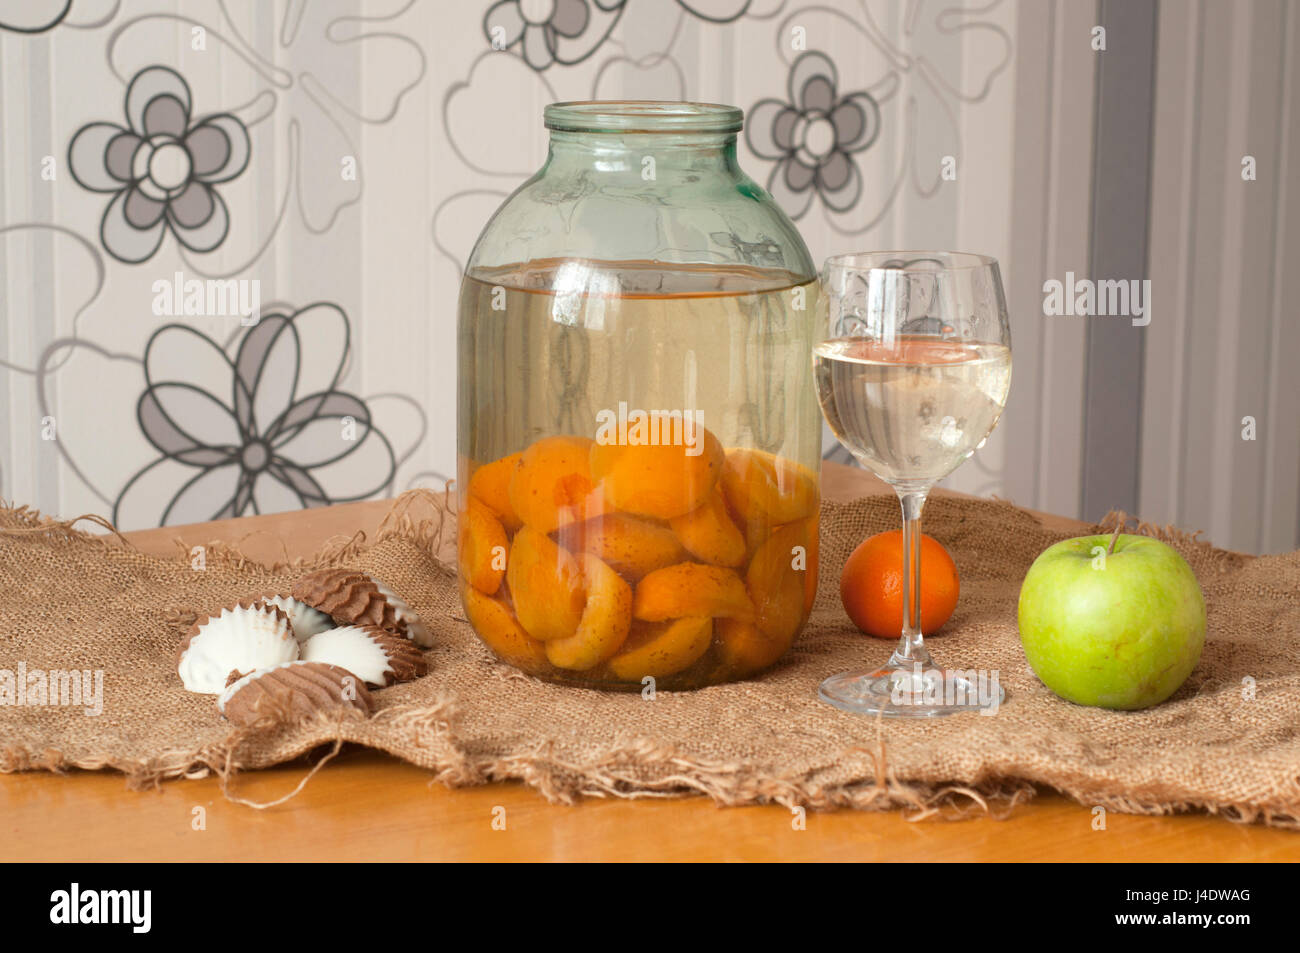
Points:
point(638, 434)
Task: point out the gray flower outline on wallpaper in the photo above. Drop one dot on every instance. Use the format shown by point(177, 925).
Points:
point(919, 70)
point(33, 16)
point(160, 169)
point(538, 28)
point(305, 103)
point(813, 137)
point(41, 16)
point(568, 32)
point(265, 446)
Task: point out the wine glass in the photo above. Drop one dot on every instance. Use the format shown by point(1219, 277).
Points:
point(912, 377)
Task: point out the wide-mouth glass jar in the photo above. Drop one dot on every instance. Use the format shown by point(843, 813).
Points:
point(638, 433)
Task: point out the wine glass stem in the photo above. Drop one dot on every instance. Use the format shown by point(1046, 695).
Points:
point(911, 647)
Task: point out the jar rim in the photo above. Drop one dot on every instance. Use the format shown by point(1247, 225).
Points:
point(643, 116)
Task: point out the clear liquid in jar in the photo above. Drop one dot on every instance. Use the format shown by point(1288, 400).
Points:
point(551, 344)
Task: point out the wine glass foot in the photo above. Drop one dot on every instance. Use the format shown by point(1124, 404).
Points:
point(915, 692)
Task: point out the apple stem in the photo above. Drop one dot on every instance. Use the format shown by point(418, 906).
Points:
point(1118, 530)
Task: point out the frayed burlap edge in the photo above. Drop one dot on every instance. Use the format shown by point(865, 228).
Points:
point(618, 771)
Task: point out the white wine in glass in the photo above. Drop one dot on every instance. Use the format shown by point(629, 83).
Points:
point(912, 377)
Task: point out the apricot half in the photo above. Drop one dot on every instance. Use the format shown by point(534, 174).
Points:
point(632, 546)
point(709, 534)
point(777, 580)
point(484, 547)
point(743, 648)
point(662, 648)
point(498, 629)
point(768, 489)
point(546, 584)
point(691, 589)
point(756, 529)
point(552, 485)
point(490, 485)
point(661, 480)
point(604, 623)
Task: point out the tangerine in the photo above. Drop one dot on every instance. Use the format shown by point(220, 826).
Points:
point(871, 585)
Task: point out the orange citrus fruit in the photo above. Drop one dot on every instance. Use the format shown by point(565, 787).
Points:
point(871, 585)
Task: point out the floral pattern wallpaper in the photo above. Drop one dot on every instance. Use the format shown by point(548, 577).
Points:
point(230, 269)
point(812, 137)
point(266, 438)
point(160, 169)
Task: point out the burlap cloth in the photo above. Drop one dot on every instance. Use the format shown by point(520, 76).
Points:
point(70, 600)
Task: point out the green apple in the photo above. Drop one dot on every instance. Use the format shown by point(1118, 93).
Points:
point(1119, 628)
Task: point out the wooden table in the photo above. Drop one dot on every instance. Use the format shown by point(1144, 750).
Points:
point(365, 805)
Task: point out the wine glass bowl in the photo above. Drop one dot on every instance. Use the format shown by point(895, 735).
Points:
point(912, 376)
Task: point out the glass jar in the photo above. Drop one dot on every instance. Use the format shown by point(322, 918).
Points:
point(638, 434)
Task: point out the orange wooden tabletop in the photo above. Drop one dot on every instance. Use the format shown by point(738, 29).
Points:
point(364, 805)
